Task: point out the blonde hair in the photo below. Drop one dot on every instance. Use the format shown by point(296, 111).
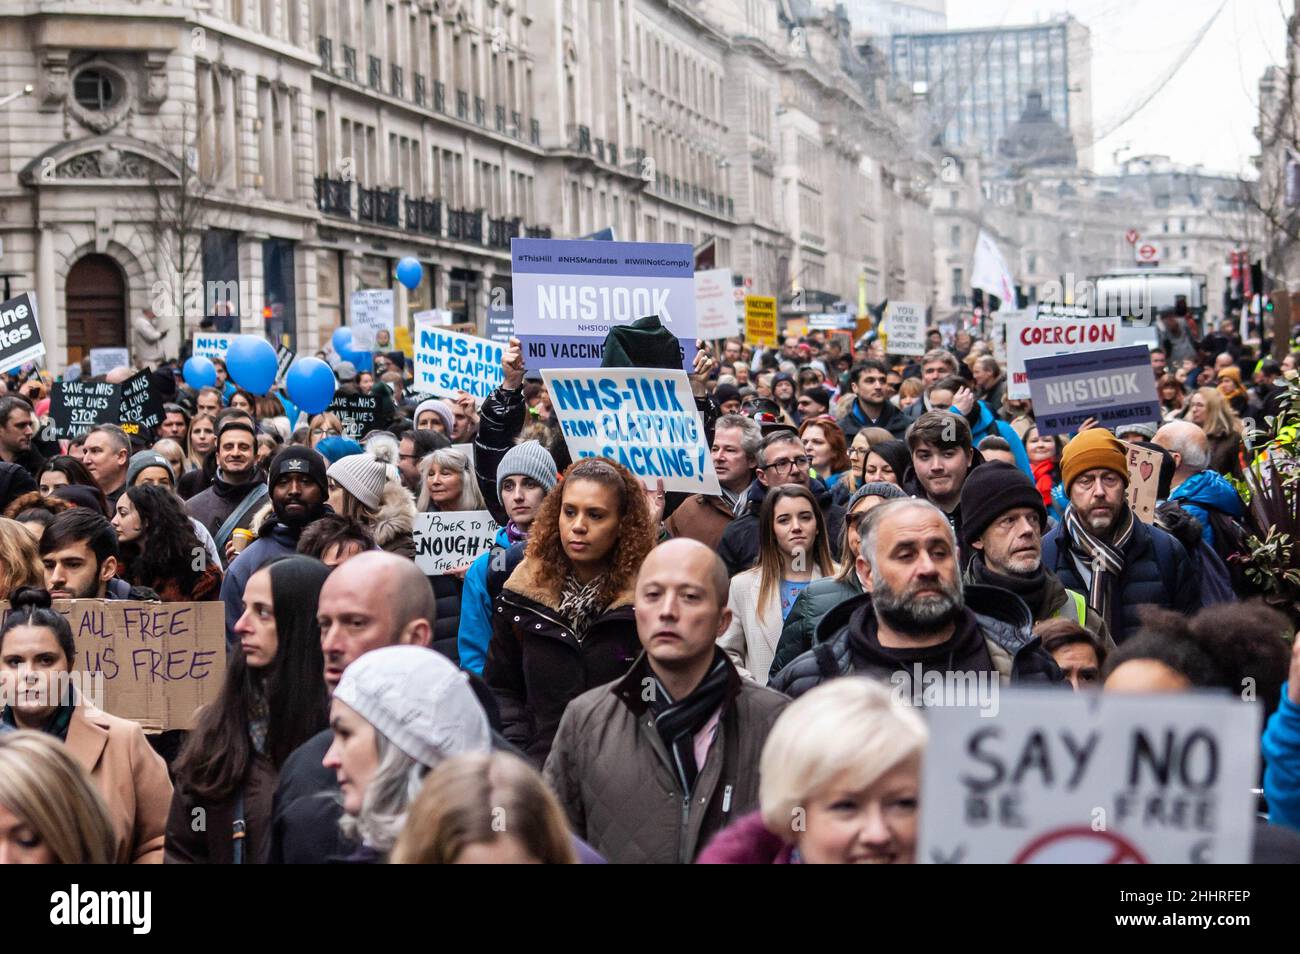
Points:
point(475, 799)
point(20, 562)
point(1220, 419)
point(471, 498)
point(911, 387)
point(45, 788)
point(848, 728)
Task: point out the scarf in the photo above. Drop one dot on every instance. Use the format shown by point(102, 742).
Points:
point(57, 725)
point(578, 603)
point(1107, 559)
point(1032, 589)
point(514, 534)
point(259, 716)
point(1045, 479)
point(678, 721)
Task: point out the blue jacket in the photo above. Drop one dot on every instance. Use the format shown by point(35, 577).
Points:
point(1281, 745)
point(476, 610)
point(990, 424)
point(279, 541)
point(1208, 490)
point(1157, 571)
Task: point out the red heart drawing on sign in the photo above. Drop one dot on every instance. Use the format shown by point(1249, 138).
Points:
point(1145, 469)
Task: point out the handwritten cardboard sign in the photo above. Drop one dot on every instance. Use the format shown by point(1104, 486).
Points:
point(77, 406)
point(357, 413)
point(760, 320)
point(446, 541)
point(905, 328)
point(141, 409)
point(1143, 480)
point(159, 662)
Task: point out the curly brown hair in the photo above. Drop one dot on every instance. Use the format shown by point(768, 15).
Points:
point(636, 536)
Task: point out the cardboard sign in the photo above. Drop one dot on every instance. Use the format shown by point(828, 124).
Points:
point(212, 346)
point(104, 360)
point(568, 294)
point(77, 406)
point(760, 320)
point(715, 305)
point(434, 316)
point(905, 326)
point(158, 661)
point(356, 412)
point(501, 324)
point(1030, 337)
point(1061, 777)
point(644, 419)
point(20, 334)
point(1113, 385)
point(404, 342)
point(1143, 480)
point(447, 541)
point(447, 363)
point(141, 408)
point(371, 319)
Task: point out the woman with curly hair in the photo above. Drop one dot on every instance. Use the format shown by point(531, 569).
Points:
point(564, 623)
point(159, 546)
point(20, 562)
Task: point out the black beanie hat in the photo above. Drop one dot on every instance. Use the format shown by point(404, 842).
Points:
point(990, 491)
point(644, 343)
point(819, 395)
point(296, 459)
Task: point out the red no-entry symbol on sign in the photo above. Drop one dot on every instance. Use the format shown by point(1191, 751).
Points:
point(1079, 845)
point(1131, 236)
point(1147, 253)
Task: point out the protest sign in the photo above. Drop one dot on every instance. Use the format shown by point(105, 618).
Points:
point(446, 541)
point(715, 305)
point(644, 419)
point(447, 363)
point(568, 294)
point(356, 412)
point(905, 328)
point(403, 341)
point(371, 319)
point(20, 335)
point(434, 316)
point(212, 346)
point(77, 406)
point(140, 410)
point(284, 359)
point(158, 662)
point(104, 360)
point(760, 320)
point(1143, 480)
point(1056, 777)
point(467, 450)
point(1031, 337)
point(501, 324)
point(1113, 385)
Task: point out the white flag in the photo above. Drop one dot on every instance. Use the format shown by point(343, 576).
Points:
point(990, 271)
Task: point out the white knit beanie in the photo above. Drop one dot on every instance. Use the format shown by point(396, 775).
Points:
point(439, 407)
point(362, 476)
point(418, 700)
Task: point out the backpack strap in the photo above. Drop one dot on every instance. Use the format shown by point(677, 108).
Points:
point(254, 497)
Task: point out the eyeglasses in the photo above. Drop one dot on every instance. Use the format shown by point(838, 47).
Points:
point(325, 432)
point(1109, 480)
point(784, 466)
point(858, 451)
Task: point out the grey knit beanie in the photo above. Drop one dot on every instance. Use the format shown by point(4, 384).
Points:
point(529, 459)
point(876, 488)
point(142, 460)
point(439, 407)
point(362, 476)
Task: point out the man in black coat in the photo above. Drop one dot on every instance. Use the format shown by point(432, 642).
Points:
point(871, 408)
point(781, 460)
point(916, 621)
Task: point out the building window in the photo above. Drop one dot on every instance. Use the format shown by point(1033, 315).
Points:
point(956, 236)
point(1184, 252)
point(95, 90)
point(958, 285)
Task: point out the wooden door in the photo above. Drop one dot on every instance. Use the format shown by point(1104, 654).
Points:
point(96, 306)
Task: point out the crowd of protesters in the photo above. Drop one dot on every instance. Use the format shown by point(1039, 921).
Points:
point(627, 675)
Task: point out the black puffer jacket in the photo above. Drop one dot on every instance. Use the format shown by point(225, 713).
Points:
point(817, 599)
point(446, 591)
point(739, 546)
point(536, 666)
point(1002, 620)
point(500, 420)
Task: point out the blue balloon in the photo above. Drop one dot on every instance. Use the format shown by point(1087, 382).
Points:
point(251, 363)
point(342, 340)
point(410, 272)
point(310, 384)
point(199, 372)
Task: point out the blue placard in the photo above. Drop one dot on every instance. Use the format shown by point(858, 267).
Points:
point(1114, 385)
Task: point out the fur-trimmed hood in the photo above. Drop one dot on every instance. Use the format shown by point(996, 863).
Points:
point(396, 515)
point(527, 581)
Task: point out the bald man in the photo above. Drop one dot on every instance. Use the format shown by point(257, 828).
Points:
point(681, 721)
point(1202, 492)
point(373, 600)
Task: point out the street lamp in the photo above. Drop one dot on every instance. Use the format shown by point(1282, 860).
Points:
point(25, 91)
